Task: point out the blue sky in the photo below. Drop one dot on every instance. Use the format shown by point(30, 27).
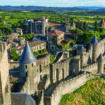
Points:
point(58, 3)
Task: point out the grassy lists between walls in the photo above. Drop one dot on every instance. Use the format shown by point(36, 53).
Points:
point(92, 93)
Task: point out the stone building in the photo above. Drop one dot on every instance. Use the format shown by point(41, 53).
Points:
point(38, 26)
point(54, 38)
point(35, 46)
point(47, 82)
point(18, 30)
point(73, 25)
point(102, 23)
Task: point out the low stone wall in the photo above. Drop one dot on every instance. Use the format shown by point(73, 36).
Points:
point(65, 87)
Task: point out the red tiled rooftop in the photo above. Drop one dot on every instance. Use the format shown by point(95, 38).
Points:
point(32, 44)
point(54, 24)
point(56, 33)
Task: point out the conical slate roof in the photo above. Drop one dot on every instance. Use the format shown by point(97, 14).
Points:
point(94, 40)
point(101, 57)
point(27, 55)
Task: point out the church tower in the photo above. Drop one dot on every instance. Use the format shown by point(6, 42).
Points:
point(67, 24)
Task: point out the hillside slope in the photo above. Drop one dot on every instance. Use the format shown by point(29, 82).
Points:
point(92, 93)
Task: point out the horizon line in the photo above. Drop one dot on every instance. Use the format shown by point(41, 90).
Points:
point(51, 6)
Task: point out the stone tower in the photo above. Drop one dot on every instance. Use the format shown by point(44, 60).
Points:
point(73, 26)
point(94, 45)
point(30, 27)
point(5, 98)
point(102, 23)
point(27, 60)
point(101, 62)
point(43, 25)
point(67, 24)
point(29, 71)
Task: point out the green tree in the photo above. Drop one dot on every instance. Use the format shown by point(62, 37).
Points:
point(79, 25)
point(96, 26)
point(5, 30)
point(24, 27)
point(76, 33)
point(14, 54)
point(28, 36)
point(87, 37)
point(15, 25)
point(85, 26)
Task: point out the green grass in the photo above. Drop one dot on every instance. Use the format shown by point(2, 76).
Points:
point(92, 93)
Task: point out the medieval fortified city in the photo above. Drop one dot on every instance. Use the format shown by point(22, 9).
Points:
point(52, 54)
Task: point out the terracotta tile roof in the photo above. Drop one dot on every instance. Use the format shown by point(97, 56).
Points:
point(31, 44)
point(46, 17)
point(38, 21)
point(73, 23)
point(56, 33)
point(54, 24)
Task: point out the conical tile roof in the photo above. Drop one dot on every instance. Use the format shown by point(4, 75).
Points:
point(27, 55)
point(94, 40)
point(101, 57)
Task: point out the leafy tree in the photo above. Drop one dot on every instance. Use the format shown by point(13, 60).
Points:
point(85, 26)
point(87, 37)
point(76, 33)
point(1, 20)
point(28, 36)
point(14, 54)
point(96, 26)
point(0, 32)
point(5, 29)
point(72, 43)
point(16, 25)
point(79, 25)
point(24, 27)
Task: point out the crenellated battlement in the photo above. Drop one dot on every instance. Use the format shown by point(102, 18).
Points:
point(67, 82)
point(91, 68)
point(66, 86)
point(62, 62)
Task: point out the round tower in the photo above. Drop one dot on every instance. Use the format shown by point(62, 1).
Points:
point(27, 61)
point(101, 64)
point(94, 45)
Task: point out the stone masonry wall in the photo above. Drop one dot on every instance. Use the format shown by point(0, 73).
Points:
point(4, 72)
point(65, 87)
point(93, 68)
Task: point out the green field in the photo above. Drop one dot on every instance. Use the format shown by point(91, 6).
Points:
point(92, 93)
point(13, 17)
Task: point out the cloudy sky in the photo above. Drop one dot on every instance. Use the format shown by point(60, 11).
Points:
point(58, 3)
